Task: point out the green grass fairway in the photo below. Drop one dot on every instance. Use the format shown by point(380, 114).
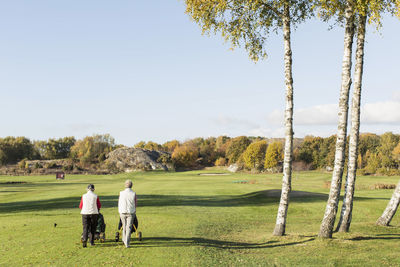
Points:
point(189, 219)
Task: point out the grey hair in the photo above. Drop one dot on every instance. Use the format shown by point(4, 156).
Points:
point(128, 183)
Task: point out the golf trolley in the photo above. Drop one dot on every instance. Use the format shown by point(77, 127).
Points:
point(100, 230)
point(134, 228)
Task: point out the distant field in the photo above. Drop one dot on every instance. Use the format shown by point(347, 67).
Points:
point(189, 219)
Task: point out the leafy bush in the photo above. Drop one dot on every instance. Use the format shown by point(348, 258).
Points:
point(221, 161)
point(274, 155)
point(14, 149)
point(141, 144)
point(170, 146)
point(185, 156)
point(92, 149)
point(152, 146)
point(68, 167)
point(236, 147)
point(254, 155)
point(23, 164)
point(51, 165)
point(55, 148)
point(164, 159)
point(38, 165)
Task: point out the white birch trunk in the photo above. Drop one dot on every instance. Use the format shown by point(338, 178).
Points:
point(391, 208)
point(347, 207)
point(287, 161)
point(328, 221)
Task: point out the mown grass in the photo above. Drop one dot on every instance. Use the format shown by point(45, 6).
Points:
point(188, 219)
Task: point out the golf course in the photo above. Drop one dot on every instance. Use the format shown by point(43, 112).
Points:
point(196, 218)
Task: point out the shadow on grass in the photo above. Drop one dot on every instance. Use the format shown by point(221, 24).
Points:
point(202, 242)
point(377, 237)
point(24, 185)
point(265, 197)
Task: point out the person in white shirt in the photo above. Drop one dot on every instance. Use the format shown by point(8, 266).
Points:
point(127, 210)
point(90, 206)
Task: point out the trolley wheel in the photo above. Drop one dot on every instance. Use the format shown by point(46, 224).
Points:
point(102, 237)
point(116, 236)
point(140, 236)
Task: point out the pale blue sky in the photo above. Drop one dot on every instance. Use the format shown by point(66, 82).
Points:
point(141, 70)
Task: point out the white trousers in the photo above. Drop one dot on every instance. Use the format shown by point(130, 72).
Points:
point(126, 219)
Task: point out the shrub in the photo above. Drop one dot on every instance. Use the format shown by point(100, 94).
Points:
point(23, 164)
point(91, 148)
point(236, 147)
point(51, 165)
point(373, 163)
point(384, 186)
point(14, 149)
point(362, 172)
point(170, 146)
point(254, 155)
point(164, 159)
point(221, 161)
point(54, 148)
point(185, 156)
point(141, 144)
point(38, 165)
point(68, 167)
point(152, 146)
point(274, 155)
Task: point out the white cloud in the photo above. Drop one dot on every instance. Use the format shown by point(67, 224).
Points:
point(396, 95)
point(316, 115)
point(267, 132)
point(381, 113)
point(320, 115)
point(371, 113)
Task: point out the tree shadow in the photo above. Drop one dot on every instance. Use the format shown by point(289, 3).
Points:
point(376, 237)
point(265, 197)
point(201, 242)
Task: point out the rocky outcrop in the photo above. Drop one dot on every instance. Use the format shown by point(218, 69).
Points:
point(137, 159)
point(234, 168)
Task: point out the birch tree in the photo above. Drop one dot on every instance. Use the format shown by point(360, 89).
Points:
point(248, 23)
point(328, 221)
point(371, 9)
point(347, 206)
point(360, 9)
point(391, 208)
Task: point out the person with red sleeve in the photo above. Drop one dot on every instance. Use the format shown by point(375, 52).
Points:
point(90, 206)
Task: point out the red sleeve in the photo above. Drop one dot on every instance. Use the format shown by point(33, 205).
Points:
point(80, 204)
point(135, 201)
point(98, 203)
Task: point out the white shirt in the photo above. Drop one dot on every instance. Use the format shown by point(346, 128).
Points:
point(89, 203)
point(127, 201)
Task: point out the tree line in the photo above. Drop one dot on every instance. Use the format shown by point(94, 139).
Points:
point(377, 154)
point(89, 150)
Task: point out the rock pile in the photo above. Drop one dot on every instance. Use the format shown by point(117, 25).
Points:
point(137, 159)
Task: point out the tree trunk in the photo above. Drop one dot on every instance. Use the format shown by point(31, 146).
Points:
point(347, 207)
point(287, 161)
point(328, 221)
point(391, 208)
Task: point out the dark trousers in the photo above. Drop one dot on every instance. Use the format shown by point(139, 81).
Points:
point(89, 223)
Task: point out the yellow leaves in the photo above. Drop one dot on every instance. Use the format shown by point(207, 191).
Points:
point(397, 8)
point(373, 9)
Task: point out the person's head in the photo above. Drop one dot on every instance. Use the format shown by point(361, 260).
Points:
point(90, 187)
point(128, 184)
